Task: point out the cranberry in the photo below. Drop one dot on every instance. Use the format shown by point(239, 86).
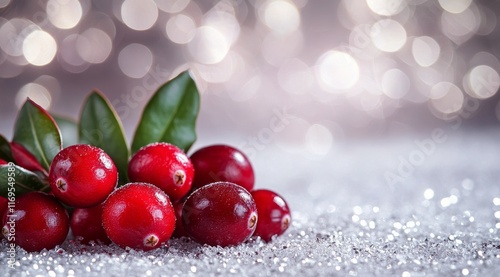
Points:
point(165, 166)
point(3, 208)
point(221, 213)
point(25, 159)
point(2, 162)
point(222, 163)
point(38, 222)
point(139, 216)
point(86, 224)
point(179, 231)
point(82, 175)
point(274, 214)
point(4, 205)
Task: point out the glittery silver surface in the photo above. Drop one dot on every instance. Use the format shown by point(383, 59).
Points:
point(440, 216)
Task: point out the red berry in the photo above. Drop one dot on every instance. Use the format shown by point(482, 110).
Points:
point(38, 221)
point(4, 202)
point(86, 224)
point(179, 227)
point(139, 216)
point(2, 162)
point(220, 213)
point(3, 205)
point(222, 163)
point(274, 214)
point(165, 166)
point(82, 175)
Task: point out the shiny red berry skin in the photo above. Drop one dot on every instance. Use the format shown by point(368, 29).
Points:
point(220, 213)
point(163, 165)
point(179, 231)
point(2, 162)
point(82, 175)
point(40, 222)
point(139, 216)
point(274, 214)
point(86, 225)
point(222, 163)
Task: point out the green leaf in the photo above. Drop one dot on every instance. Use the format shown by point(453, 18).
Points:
point(69, 130)
point(18, 181)
point(36, 130)
point(170, 115)
point(5, 152)
point(101, 127)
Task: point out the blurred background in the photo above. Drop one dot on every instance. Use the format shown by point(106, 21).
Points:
point(291, 73)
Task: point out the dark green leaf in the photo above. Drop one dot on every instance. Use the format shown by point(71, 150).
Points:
point(18, 181)
point(36, 130)
point(5, 152)
point(101, 127)
point(69, 130)
point(170, 115)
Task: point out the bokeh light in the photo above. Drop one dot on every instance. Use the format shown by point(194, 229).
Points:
point(39, 48)
point(209, 45)
point(425, 50)
point(455, 6)
point(64, 14)
point(459, 27)
point(71, 60)
point(12, 34)
point(337, 70)
point(4, 3)
point(172, 6)
point(446, 98)
point(181, 28)
point(35, 92)
point(94, 45)
point(281, 16)
point(386, 7)
point(222, 17)
point(388, 35)
point(139, 15)
point(222, 71)
point(482, 82)
point(135, 60)
point(395, 83)
point(52, 85)
point(100, 20)
point(361, 64)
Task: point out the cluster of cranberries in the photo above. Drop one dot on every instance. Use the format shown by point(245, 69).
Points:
point(208, 197)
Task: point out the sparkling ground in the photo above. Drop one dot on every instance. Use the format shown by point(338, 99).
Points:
point(438, 215)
